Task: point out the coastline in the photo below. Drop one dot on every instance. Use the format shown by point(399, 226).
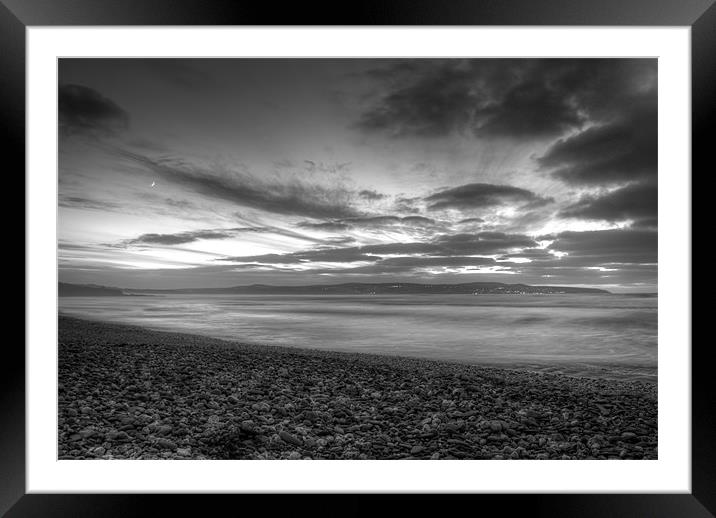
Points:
point(131, 392)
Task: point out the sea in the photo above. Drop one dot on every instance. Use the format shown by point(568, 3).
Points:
point(610, 336)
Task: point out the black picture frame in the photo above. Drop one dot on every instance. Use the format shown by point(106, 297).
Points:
point(17, 15)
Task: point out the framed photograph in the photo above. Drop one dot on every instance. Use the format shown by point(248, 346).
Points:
point(414, 251)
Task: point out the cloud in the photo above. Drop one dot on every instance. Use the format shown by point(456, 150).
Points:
point(409, 265)
point(426, 261)
point(624, 149)
point(482, 243)
point(444, 246)
point(180, 238)
point(430, 101)
point(371, 195)
point(330, 255)
point(291, 198)
point(607, 246)
point(483, 195)
point(637, 202)
point(222, 233)
point(81, 202)
point(328, 226)
point(407, 205)
point(84, 110)
point(375, 222)
point(516, 98)
point(313, 167)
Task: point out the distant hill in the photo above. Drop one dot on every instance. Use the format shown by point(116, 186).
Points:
point(359, 288)
point(86, 290)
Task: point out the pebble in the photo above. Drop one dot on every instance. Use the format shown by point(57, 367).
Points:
point(164, 443)
point(291, 439)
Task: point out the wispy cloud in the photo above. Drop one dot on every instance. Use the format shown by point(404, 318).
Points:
point(293, 198)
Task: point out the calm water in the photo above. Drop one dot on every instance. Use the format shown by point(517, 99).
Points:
point(603, 335)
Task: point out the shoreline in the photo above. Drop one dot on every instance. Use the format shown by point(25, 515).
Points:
point(576, 369)
point(131, 392)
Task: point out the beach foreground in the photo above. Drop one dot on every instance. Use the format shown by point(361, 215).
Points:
point(131, 393)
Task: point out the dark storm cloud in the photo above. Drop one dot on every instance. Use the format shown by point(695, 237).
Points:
point(482, 195)
point(434, 101)
point(608, 246)
point(519, 98)
point(295, 198)
point(622, 150)
point(470, 221)
point(84, 110)
point(371, 195)
point(637, 202)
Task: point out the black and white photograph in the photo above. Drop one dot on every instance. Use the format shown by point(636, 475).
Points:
point(357, 258)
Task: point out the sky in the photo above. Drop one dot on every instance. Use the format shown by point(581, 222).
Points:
point(222, 172)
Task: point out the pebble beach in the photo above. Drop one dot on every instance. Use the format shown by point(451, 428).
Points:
point(127, 392)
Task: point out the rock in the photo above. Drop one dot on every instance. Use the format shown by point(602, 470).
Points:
point(248, 426)
point(417, 449)
point(86, 410)
point(291, 439)
point(261, 407)
point(184, 452)
point(628, 436)
point(166, 444)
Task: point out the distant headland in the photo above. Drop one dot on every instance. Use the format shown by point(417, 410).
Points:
point(354, 288)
